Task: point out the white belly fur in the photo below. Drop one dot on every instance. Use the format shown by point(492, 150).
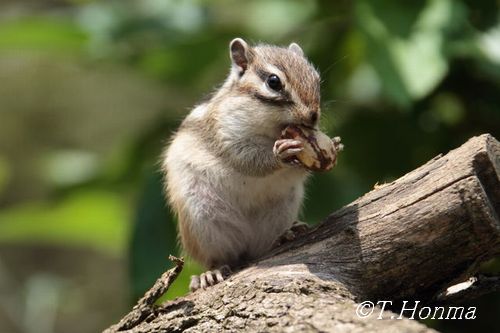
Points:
point(267, 205)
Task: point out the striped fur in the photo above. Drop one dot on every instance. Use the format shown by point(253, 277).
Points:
point(233, 197)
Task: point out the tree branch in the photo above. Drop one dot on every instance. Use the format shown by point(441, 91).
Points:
point(407, 240)
point(144, 309)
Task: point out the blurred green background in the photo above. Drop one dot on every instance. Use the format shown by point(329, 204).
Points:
point(91, 90)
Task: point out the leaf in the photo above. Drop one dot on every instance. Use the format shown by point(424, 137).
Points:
point(153, 237)
point(41, 34)
point(94, 219)
point(405, 44)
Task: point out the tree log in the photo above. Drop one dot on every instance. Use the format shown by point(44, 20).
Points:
point(407, 240)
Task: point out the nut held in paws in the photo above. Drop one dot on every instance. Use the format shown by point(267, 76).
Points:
point(320, 152)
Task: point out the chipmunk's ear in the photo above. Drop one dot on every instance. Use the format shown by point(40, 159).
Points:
point(295, 48)
point(241, 54)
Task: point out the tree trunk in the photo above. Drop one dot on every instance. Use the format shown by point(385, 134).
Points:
point(404, 241)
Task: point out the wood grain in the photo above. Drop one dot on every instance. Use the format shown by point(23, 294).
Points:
point(407, 240)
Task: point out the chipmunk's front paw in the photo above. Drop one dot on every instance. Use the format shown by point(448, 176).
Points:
point(298, 228)
point(209, 278)
point(286, 150)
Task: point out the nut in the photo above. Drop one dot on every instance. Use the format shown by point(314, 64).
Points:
point(320, 152)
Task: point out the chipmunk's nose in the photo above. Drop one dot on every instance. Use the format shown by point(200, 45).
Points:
point(311, 118)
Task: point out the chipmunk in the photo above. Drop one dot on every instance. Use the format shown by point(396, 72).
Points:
point(229, 175)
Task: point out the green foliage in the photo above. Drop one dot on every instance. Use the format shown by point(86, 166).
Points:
point(91, 219)
point(41, 34)
point(92, 90)
point(4, 173)
point(407, 43)
point(153, 237)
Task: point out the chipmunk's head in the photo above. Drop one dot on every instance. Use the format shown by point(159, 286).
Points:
point(280, 79)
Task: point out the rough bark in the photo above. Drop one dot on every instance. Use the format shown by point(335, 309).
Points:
point(407, 240)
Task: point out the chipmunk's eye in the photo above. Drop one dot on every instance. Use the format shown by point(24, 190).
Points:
point(274, 82)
